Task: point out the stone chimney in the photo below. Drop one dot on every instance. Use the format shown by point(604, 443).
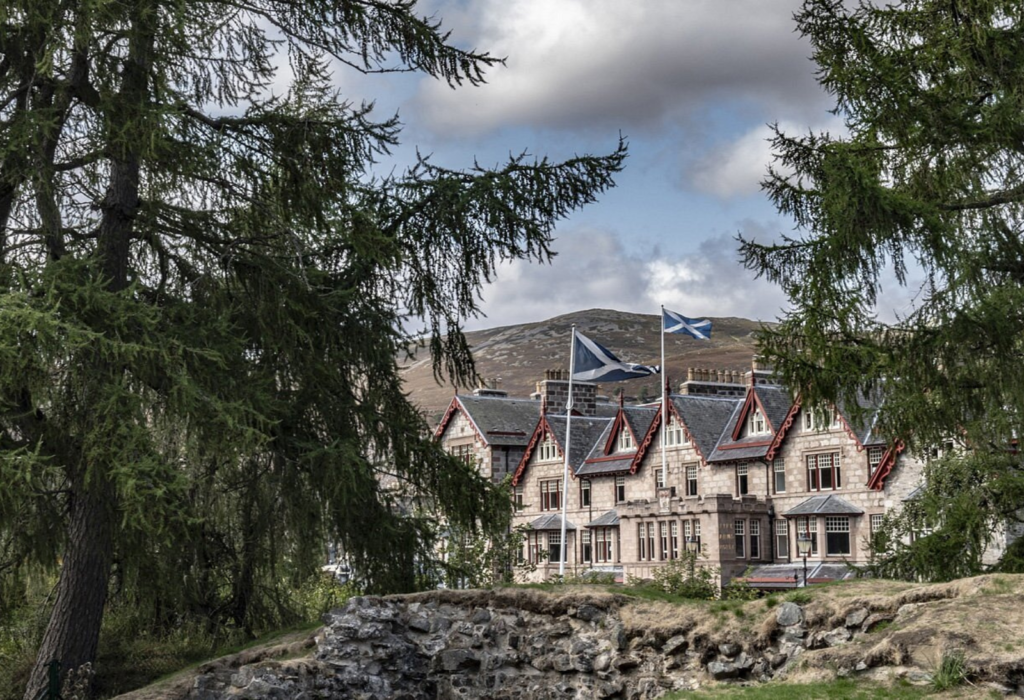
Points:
point(713, 382)
point(554, 391)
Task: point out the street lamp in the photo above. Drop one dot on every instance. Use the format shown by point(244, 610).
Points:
point(692, 547)
point(803, 547)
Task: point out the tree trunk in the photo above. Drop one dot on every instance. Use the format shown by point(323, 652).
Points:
point(74, 628)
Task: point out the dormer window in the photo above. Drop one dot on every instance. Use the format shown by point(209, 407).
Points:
point(756, 423)
point(811, 422)
point(625, 439)
point(547, 451)
point(675, 435)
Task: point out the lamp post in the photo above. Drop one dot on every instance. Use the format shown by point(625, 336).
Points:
point(803, 547)
point(692, 547)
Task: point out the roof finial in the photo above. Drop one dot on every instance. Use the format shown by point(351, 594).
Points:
point(622, 398)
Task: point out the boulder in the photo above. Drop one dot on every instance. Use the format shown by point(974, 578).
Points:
point(857, 617)
point(789, 614)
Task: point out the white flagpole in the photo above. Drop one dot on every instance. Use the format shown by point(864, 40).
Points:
point(568, 434)
point(664, 403)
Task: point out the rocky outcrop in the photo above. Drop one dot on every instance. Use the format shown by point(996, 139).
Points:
point(529, 645)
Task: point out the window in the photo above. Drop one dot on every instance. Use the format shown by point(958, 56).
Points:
point(584, 493)
point(779, 470)
point(691, 479)
point(517, 497)
point(464, 453)
point(674, 529)
point(808, 527)
point(603, 545)
point(675, 435)
point(663, 535)
point(756, 423)
point(812, 423)
point(585, 550)
point(837, 535)
point(696, 533)
point(876, 522)
point(823, 472)
point(659, 478)
point(782, 539)
point(755, 539)
point(650, 541)
point(533, 548)
point(548, 450)
point(554, 546)
point(551, 494)
point(875, 455)
point(742, 480)
point(620, 489)
point(625, 439)
point(641, 542)
point(738, 528)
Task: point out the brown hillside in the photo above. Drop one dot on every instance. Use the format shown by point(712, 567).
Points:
point(518, 355)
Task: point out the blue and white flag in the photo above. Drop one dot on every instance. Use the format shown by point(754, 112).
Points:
point(699, 328)
point(595, 363)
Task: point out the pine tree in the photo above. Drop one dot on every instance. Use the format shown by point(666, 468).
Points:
point(926, 183)
point(204, 289)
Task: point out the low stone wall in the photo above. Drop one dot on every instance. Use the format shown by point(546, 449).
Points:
point(529, 646)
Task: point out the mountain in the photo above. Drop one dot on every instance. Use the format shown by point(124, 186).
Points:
point(517, 356)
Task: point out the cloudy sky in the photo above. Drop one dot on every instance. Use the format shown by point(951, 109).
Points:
point(692, 86)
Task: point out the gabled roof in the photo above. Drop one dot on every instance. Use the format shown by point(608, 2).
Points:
point(862, 427)
point(824, 505)
point(636, 419)
point(775, 404)
point(585, 432)
point(705, 419)
point(497, 420)
point(552, 521)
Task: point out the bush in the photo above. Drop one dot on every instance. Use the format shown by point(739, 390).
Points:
point(684, 578)
point(951, 671)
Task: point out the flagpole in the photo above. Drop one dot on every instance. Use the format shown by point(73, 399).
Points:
point(664, 403)
point(568, 438)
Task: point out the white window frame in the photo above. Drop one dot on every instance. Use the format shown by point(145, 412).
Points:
point(739, 533)
point(691, 480)
point(626, 439)
point(837, 525)
point(778, 470)
point(782, 538)
point(620, 489)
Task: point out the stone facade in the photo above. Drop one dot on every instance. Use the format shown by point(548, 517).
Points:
point(743, 474)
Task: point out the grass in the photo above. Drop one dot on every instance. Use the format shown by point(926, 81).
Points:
point(800, 597)
point(840, 689)
point(950, 672)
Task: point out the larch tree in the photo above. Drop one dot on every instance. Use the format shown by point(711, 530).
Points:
point(924, 189)
point(205, 289)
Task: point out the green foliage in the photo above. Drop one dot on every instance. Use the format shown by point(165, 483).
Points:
point(839, 689)
point(950, 672)
point(799, 597)
point(205, 290)
point(925, 185)
point(739, 590)
point(685, 578)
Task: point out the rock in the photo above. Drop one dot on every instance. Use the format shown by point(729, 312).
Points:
point(243, 677)
point(857, 617)
point(720, 670)
point(840, 635)
point(789, 614)
point(419, 623)
point(618, 636)
point(625, 663)
point(861, 666)
point(561, 663)
point(588, 613)
point(744, 662)
point(728, 649)
point(776, 660)
point(674, 645)
point(480, 616)
point(602, 662)
point(907, 609)
point(999, 688)
point(452, 660)
point(916, 677)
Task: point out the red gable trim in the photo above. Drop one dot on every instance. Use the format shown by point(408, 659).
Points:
point(606, 458)
point(751, 400)
point(453, 407)
point(543, 428)
point(653, 430)
point(787, 423)
point(613, 436)
point(877, 481)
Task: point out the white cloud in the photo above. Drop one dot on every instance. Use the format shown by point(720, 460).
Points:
point(595, 270)
point(574, 63)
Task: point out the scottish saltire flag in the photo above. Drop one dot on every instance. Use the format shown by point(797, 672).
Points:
point(699, 328)
point(596, 363)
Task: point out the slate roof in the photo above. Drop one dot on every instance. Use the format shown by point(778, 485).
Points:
point(705, 417)
point(552, 521)
point(639, 419)
point(501, 420)
point(824, 505)
point(608, 466)
point(863, 427)
point(724, 450)
point(609, 519)
point(585, 432)
point(776, 402)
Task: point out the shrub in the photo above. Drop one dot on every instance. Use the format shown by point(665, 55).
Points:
point(684, 578)
point(950, 672)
